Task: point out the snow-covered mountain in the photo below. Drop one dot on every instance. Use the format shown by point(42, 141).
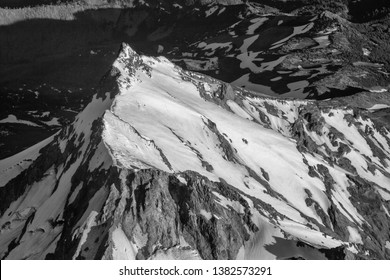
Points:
point(169, 164)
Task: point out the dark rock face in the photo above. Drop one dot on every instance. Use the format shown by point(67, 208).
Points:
point(165, 211)
point(368, 201)
point(180, 208)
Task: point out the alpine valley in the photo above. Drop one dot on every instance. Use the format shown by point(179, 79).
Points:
point(216, 130)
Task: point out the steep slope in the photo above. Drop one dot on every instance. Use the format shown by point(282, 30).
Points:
point(166, 163)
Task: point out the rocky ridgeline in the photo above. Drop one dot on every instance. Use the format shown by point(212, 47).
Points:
point(76, 201)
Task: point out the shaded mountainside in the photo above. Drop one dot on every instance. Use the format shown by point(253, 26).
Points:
point(255, 177)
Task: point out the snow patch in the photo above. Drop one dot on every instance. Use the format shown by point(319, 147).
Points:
point(354, 235)
point(123, 248)
point(85, 229)
point(378, 107)
point(206, 214)
point(14, 119)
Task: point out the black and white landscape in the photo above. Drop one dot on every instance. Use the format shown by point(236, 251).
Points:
point(195, 129)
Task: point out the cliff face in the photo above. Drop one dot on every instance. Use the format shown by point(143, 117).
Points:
point(165, 163)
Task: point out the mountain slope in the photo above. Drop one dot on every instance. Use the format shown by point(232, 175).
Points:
point(166, 163)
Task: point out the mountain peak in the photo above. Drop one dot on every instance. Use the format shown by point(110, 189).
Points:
point(127, 52)
point(201, 159)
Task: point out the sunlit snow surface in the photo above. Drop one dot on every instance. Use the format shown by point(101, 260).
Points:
point(168, 119)
point(162, 121)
